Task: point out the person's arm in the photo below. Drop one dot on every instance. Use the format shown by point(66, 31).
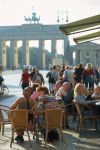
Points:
point(29, 80)
point(20, 81)
point(17, 102)
point(81, 100)
point(47, 75)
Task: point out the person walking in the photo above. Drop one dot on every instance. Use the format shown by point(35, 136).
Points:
point(48, 75)
point(53, 77)
point(32, 73)
point(25, 79)
point(38, 77)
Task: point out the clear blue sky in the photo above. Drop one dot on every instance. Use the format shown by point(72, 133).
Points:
point(12, 12)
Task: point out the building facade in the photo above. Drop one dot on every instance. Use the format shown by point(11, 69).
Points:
point(87, 52)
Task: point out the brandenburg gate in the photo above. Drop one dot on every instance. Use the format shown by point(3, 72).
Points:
point(26, 33)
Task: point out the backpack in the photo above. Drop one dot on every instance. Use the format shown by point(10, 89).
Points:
point(51, 78)
point(66, 76)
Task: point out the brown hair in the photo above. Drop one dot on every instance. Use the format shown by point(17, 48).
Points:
point(34, 86)
point(43, 88)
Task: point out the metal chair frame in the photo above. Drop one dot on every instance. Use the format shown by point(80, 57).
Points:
point(19, 121)
point(4, 117)
point(53, 120)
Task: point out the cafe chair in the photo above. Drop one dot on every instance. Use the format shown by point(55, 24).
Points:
point(70, 110)
point(19, 121)
point(4, 117)
point(53, 120)
point(82, 116)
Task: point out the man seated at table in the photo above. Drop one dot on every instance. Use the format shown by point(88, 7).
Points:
point(66, 93)
point(25, 102)
point(58, 84)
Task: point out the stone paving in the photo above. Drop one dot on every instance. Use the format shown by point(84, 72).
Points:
point(88, 140)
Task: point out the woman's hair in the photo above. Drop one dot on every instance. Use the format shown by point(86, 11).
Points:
point(88, 66)
point(77, 88)
point(25, 70)
point(28, 89)
point(43, 88)
point(34, 86)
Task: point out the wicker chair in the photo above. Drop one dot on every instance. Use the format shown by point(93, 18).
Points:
point(4, 117)
point(70, 110)
point(53, 120)
point(82, 117)
point(19, 121)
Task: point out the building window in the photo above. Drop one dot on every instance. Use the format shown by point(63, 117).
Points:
point(87, 60)
point(87, 54)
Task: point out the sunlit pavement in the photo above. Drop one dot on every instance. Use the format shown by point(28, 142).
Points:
point(69, 143)
point(12, 80)
point(88, 140)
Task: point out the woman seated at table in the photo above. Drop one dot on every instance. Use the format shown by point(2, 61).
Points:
point(80, 98)
point(25, 102)
point(43, 98)
point(44, 102)
point(40, 91)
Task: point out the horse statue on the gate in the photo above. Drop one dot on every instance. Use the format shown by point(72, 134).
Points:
point(35, 18)
point(28, 19)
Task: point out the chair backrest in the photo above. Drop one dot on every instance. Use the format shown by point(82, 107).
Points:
point(70, 109)
point(54, 118)
point(19, 118)
point(4, 112)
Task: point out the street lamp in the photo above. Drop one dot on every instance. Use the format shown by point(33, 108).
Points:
point(62, 16)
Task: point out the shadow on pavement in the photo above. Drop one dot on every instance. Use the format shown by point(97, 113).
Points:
point(2, 97)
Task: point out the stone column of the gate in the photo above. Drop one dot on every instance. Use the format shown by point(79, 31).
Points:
point(53, 49)
point(25, 53)
point(14, 54)
point(66, 51)
point(71, 58)
point(77, 57)
point(0, 52)
point(4, 53)
point(42, 54)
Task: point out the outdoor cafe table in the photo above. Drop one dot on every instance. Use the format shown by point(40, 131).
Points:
point(98, 103)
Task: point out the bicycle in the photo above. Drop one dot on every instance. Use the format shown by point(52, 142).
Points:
point(4, 89)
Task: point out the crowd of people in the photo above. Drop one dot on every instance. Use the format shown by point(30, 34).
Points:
point(66, 85)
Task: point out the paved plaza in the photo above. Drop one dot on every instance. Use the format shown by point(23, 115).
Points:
point(88, 139)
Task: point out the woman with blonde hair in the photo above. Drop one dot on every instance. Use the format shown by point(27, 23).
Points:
point(79, 94)
point(81, 99)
